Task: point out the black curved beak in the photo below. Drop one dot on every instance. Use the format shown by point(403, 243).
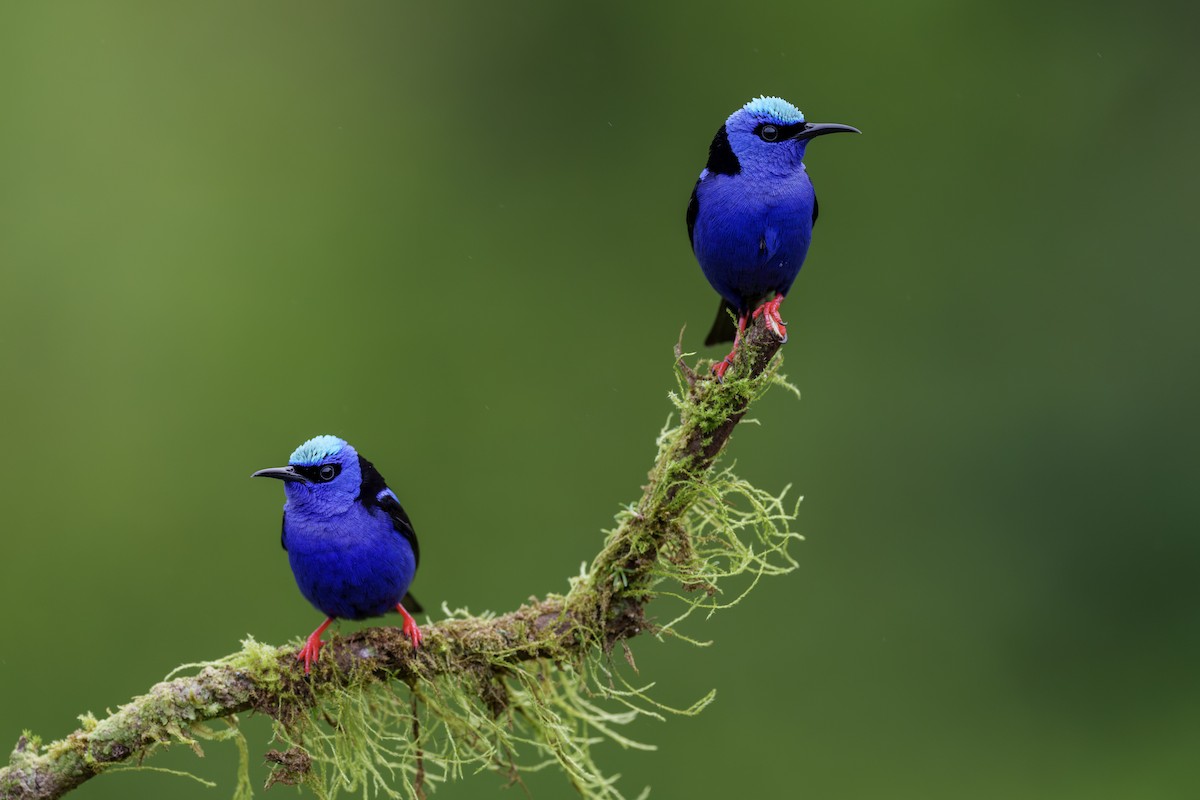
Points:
point(812, 130)
point(286, 474)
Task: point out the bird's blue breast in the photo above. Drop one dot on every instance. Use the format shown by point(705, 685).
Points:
point(352, 565)
point(751, 235)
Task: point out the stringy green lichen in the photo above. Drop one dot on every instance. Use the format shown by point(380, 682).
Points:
point(699, 540)
point(514, 716)
point(544, 712)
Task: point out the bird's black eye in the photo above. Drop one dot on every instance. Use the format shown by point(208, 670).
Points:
point(327, 472)
point(768, 133)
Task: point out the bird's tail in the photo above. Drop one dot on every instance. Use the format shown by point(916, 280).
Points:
point(724, 328)
point(410, 604)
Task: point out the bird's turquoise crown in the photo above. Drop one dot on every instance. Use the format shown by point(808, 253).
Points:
point(316, 450)
point(776, 108)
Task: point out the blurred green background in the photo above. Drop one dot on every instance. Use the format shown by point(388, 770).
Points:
point(453, 234)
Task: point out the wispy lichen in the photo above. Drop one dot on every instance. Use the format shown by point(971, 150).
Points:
point(543, 686)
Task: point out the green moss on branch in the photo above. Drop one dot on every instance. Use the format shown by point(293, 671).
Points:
point(515, 692)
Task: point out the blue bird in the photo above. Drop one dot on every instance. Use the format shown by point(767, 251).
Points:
point(752, 212)
point(352, 548)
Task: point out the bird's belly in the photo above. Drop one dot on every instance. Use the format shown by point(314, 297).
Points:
point(749, 249)
point(747, 262)
point(352, 578)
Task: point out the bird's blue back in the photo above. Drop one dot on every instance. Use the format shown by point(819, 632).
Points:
point(350, 544)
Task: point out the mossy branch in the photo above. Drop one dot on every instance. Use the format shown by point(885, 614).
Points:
point(484, 690)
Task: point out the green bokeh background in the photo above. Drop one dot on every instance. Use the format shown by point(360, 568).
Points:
point(453, 233)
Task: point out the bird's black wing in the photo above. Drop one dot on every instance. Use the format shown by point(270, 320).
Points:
point(373, 492)
point(816, 208)
point(692, 212)
point(724, 328)
point(400, 522)
point(283, 532)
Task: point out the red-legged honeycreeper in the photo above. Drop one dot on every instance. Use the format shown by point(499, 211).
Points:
point(352, 548)
point(752, 212)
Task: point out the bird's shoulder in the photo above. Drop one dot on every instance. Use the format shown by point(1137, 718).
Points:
point(374, 493)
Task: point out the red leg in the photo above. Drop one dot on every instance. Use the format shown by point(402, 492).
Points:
point(312, 648)
point(770, 309)
point(410, 626)
point(720, 367)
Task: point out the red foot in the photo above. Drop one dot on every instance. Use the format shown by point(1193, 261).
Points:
point(721, 367)
point(410, 626)
point(770, 309)
point(312, 647)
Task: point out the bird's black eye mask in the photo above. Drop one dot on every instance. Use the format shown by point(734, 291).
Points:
point(770, 132)
point(319, 473)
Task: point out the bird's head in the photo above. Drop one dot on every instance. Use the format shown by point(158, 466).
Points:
point(768, 135)
point(322, 475)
